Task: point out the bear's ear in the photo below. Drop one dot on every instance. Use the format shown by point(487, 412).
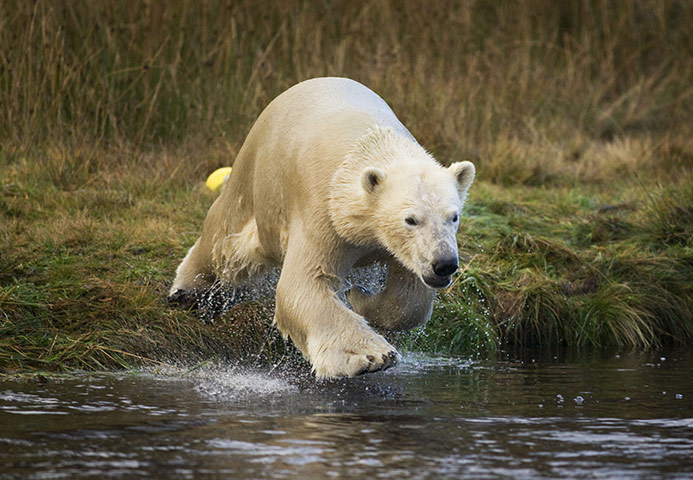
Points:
point(371, 178)
point(463, 173)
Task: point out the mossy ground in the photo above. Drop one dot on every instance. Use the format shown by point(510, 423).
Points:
point(578, 230)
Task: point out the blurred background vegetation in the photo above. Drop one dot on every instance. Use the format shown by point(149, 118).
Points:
point(577, 115)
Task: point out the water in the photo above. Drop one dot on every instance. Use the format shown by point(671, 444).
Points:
point(594, 416)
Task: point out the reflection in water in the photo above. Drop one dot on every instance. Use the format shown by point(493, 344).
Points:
point(427, 418)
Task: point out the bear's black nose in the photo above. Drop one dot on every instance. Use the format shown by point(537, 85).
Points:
point(445, 267)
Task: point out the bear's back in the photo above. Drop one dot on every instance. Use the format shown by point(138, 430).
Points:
point(307, 131)
point(335, 95)
point(297, 143)
point(330, 106)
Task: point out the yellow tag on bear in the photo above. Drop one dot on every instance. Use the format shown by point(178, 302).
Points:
point(218, 177)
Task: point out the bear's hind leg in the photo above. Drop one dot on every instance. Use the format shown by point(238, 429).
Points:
point(240, 256)
point(404, 303)
point(193, 274)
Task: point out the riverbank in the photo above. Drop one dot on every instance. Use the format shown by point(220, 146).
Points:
point(577, 232)
point(89, 252)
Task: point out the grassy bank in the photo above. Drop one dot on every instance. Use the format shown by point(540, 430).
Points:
point(578, 231)
point(576, 266)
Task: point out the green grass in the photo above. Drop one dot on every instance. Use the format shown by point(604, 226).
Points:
point(567, 266)
point(578, 230)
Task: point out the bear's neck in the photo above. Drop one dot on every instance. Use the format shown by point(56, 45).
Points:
point(351, 208)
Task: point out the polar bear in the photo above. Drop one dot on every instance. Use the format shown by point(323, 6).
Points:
point(329, 179)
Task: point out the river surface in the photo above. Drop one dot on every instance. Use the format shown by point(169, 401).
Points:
point(600, 415)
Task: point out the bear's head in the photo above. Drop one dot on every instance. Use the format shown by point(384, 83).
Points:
point(390, 193)
point(416, 208)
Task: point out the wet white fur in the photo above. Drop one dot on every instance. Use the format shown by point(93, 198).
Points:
point(324, 182)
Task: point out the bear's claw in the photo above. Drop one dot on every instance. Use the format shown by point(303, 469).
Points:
point(372, 367)
point(389, 360)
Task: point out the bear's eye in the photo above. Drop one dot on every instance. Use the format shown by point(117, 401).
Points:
point(411, 221)
point(454, 218)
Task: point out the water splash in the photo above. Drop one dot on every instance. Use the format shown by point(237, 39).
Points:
point(232, 384)
point(371, 278)
point(220, 298)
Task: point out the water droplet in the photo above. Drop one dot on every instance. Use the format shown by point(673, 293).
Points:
point(661, 359)
point(679, 396)
point(559, 398)
point(627, 399)
point(541, 405)
point(579, 400)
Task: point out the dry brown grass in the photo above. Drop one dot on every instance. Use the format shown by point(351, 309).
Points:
point(536, 84)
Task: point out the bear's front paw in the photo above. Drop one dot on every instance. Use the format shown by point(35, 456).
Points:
point(357, 297)
point(355, 359)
